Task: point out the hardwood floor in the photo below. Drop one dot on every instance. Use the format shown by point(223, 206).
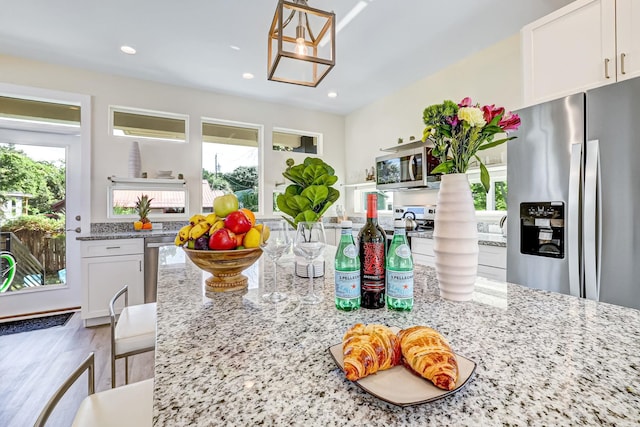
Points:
point(34, 364)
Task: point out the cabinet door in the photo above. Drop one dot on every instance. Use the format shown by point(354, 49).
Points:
point(628, 38)
point(570, 50)
point(102, 277)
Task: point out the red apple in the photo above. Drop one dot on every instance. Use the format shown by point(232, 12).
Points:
point(237, 222)
point(222, 240)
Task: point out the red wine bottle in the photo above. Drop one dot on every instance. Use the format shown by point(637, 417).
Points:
point(372, 242)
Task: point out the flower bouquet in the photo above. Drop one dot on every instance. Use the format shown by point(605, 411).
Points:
point(459, 131)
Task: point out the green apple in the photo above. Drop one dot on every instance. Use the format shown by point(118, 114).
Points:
point(224, 205)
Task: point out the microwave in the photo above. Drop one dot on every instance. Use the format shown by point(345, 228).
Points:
point(407, 168)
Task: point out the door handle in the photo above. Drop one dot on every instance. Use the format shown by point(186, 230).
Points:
point(591, 232)
point(573, 253)
point(77, 229)
point(606, 68)
point(412, 162)
point(622, 56)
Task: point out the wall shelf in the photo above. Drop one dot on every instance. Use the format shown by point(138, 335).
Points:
point(146, 181)
point(406, 146)
point(360, 184)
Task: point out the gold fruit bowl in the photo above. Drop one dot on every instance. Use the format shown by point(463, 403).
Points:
point(225, 266)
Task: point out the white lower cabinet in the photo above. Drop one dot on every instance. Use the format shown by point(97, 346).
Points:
point(108, 265)
point(492, 260)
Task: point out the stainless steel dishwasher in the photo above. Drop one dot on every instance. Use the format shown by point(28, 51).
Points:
point(151, 246)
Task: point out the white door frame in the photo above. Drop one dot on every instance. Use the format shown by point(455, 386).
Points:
point(24, 303)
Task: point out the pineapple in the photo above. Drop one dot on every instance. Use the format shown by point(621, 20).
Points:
point(143, 206)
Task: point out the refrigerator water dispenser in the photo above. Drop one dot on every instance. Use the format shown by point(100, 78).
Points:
point(542, 229)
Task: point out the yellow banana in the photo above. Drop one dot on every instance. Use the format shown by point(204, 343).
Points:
point(211, 218)
point(216, 226)
point(199, 229)
point(196, 219)
point(183, 233)
point(178, 241)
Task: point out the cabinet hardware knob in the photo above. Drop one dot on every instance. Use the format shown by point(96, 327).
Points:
point(77, 229)
point(622, 56)
point(606, 68)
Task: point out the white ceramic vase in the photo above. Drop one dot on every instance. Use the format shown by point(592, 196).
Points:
point(455, 238)
point(134, 160)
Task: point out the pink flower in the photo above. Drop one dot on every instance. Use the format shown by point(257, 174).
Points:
point(509, 122)
point(490, 112)
point(467, 102)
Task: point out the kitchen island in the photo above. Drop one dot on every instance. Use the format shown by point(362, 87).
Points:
point(542, 358)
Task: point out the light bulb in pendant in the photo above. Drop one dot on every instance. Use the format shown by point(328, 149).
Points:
point(301, 48)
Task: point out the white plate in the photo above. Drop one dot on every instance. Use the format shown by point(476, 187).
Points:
point(399, 386)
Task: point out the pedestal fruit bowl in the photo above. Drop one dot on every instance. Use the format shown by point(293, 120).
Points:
point(225, 266)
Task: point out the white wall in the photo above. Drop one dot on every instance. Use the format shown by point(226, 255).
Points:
point(110, 154)
point(491, 76)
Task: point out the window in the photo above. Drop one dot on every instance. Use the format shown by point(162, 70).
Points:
point(170, 198)
point(496, 198)
point(360, 192)
point(296, 141)
point(143, 124)
point(230, 160)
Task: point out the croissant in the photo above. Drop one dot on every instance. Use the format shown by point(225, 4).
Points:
point(369, 349)
point(428, 354)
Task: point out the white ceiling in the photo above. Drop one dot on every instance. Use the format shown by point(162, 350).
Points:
point(389, 45)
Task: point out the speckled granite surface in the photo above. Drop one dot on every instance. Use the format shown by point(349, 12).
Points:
point(543, 358)
point(487, 239)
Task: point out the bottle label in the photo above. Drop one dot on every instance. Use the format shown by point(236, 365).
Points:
point(347, 284)
point(373, 262)
point(403, 251)
point(350, 251)
point(400, 284)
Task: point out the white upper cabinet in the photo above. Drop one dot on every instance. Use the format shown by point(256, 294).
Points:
point(586, 44)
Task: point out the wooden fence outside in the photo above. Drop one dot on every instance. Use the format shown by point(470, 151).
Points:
point(50, 251)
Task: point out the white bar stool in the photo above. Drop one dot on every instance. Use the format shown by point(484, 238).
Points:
point(134, 332)
point(127, 406)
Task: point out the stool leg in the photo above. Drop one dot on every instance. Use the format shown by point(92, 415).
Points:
point(126, 370)
point(113, 370)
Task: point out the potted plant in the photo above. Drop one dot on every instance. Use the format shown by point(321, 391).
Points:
point(308, 197)
point(458, 132)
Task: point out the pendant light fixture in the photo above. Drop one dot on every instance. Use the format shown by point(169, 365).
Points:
point(301, 44)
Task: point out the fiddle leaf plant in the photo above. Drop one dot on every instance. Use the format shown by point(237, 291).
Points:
point(310, 193)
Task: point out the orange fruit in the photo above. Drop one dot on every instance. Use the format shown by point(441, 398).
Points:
point(239, 239)
point(250, 215)
point(147, 226)
point(137, 225)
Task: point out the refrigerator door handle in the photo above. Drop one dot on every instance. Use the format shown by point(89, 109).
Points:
point(573, 225)
point(591, 231)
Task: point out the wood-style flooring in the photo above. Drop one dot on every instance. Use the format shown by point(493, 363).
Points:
point(34, 364)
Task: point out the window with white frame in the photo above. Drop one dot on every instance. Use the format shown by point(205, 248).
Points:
point(496, 198)
point(169, 198)
point(296, 141)
point(146, 124)
point(230, 162)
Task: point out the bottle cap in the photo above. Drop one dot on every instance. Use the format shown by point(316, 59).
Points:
point(346, 224)
point(398, 223)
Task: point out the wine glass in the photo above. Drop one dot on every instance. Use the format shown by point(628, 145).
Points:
point(275, 241)
point(309, 243)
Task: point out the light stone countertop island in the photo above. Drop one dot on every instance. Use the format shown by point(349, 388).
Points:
point(542, 358)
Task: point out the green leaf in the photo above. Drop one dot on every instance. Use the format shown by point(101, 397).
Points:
point(298, 203)
point(295, 174)
point(484, 176)
point(308, 216)
point(315, 194)
point(325, 180)
point(312, 172)
point(495, 143)
point(281, 201)
point(293, 190)
point(443, 167)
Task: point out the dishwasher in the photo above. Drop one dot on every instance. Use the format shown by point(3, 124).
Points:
point(152, 245)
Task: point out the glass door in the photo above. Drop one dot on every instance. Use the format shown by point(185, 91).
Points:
point(41, 211)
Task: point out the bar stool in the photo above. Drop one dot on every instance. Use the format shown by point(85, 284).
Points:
point(134, 331)
point(129, 405)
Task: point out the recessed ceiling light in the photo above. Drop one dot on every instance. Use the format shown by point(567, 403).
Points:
point(128, 50)
point(332, 94)
point(247, 76)
point(234, 47)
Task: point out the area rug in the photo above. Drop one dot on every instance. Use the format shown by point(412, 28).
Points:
point(18, 326)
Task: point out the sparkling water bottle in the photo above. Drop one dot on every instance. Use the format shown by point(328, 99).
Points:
point(399, 270)
point(347, 268)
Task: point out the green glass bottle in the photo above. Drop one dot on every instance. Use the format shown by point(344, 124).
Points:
point(347, 271)
point(399, 268)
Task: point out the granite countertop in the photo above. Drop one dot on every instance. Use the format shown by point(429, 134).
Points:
point(126, 235)
point(487, 239)
point(542, 358)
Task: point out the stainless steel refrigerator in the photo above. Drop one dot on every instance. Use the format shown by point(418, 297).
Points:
point(573, 178)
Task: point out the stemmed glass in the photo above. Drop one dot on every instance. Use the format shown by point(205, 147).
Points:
point(309, 243)
point(275, 241)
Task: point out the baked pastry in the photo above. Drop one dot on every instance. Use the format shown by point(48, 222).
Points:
point(427, 353)
point(369, 349)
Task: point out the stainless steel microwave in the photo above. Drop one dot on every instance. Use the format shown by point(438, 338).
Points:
point(407, 168)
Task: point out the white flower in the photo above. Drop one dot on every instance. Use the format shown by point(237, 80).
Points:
point(472, 115)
